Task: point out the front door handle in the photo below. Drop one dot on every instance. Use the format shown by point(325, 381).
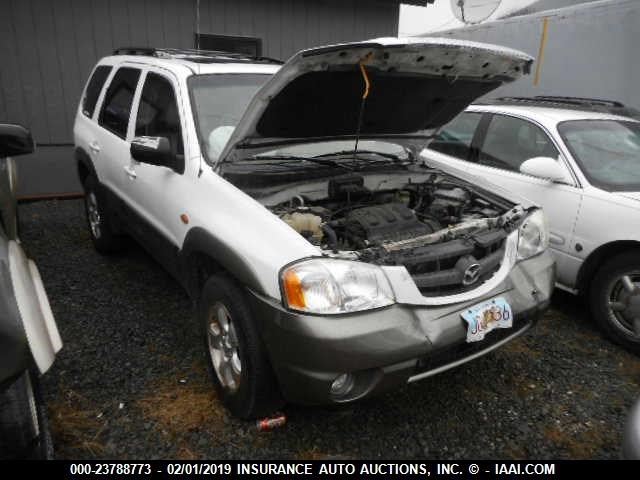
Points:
point(94, 147)
point(131, 173)
point(556, 239)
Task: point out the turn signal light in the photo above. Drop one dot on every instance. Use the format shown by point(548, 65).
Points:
point(293, 290)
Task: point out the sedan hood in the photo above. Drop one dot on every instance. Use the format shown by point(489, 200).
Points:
point(483, 183)
point(416, 86)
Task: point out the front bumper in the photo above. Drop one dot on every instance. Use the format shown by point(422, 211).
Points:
point(391, 346)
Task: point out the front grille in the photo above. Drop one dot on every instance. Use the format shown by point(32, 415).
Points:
point(464, 349)
point(440, 269)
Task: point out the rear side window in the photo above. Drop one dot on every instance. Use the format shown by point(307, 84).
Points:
point(158, 112)
point(94, 88)
point(511, 141)
point(116, 107)
point(455, 137)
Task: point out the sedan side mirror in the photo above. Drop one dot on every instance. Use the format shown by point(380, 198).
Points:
point(546, 168)
point(15, 140)
point(154, 151)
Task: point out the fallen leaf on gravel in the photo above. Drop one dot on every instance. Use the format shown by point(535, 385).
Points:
point(581, 445)
point(77, 425)
point(179, 410)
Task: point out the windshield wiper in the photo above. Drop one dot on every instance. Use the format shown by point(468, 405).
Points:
point(316, 160)
point(391, 156)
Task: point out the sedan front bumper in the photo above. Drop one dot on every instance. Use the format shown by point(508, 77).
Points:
point(388, 347)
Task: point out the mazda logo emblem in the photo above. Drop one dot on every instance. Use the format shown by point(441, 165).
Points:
point(471, 274)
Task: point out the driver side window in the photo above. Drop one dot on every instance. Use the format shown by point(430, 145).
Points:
point(158, 112)
point(511, 141)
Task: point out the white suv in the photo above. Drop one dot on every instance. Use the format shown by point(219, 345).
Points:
point(583, 167)
point(327, 262)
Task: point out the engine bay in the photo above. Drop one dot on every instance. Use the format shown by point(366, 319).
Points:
point(353, 218)
point(436, 227)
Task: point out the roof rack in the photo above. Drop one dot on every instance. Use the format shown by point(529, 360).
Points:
point(569, 100)
point(572, 103)
point(194, 55)
point(581, 100)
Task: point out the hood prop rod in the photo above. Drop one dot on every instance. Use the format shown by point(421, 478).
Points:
point(365, 94)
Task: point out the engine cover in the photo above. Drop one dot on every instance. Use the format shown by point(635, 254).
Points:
point(393, 221)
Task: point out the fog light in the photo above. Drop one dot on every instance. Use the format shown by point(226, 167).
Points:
point(342, 385)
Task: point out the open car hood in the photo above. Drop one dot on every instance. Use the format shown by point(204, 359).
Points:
point(416, 86)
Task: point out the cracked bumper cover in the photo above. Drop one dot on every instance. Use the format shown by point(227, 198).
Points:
point(388, 347)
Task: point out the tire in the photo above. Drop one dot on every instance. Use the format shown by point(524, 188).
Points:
point(24, 426)
point(238, 364)
point(614, 298)
point(104, 238)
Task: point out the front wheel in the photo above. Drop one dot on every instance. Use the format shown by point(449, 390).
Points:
point(615, 299)
point(105, 240)
point(240, 369)
point(24, 429)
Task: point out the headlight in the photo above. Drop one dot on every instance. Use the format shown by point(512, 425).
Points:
point(533, 236)
point(335, 286)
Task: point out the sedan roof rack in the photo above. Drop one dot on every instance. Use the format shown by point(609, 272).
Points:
point(573, 103)
point(568, 100)
point(581, 100)
point(194, 55)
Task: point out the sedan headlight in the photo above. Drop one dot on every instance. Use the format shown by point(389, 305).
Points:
point(533, 236)
point(331, 286)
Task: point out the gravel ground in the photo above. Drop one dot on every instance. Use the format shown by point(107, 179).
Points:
point(131, 381)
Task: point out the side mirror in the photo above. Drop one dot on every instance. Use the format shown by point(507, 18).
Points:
point(15, 140)
point(546, 168)
point(154, 151)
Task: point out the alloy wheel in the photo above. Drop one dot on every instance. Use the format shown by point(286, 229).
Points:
point(223, 345)
point(93, 214)
point(624, 303)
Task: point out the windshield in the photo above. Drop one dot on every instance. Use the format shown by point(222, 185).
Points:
point(219, 100)
point(608, 151)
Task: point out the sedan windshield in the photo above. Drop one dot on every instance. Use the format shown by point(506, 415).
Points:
point(608, 151)
point(219, 100)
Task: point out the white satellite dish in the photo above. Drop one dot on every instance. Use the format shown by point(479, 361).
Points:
point(474, 11)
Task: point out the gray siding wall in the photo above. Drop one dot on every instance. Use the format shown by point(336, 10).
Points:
point(591, 51)
point(48, 47)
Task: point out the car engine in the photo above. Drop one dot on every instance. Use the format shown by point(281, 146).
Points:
point(437, 228)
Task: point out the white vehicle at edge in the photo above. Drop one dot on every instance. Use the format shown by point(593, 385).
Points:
point(583, 168)
point(29, 336)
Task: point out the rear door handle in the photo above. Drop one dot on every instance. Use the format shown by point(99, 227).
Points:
point(94, 147)
point(131, 173)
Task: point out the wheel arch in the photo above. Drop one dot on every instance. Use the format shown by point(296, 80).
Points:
point(203, 255)
point(596, 259)
point(84, 165)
